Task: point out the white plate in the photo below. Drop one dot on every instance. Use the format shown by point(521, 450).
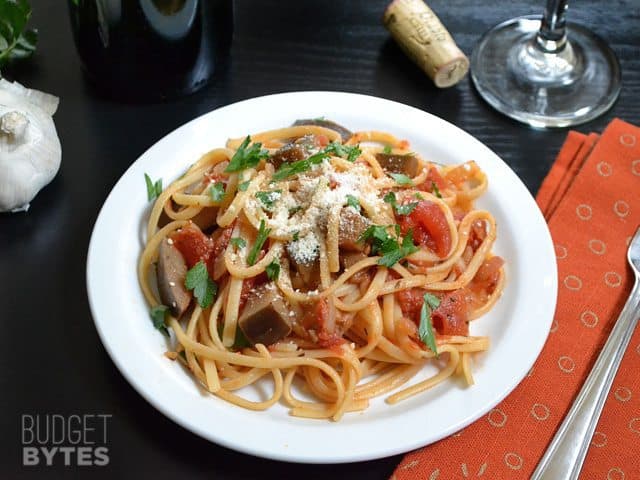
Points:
point(517, 326)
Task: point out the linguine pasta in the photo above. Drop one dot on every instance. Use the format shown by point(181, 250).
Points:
point(342, 262)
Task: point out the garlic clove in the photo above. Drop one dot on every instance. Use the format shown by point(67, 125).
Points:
point(30, 151)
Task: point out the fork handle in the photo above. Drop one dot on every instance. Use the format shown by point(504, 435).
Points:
point(566, 452)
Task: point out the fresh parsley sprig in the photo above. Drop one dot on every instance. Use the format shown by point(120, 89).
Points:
point(394, 255)
point(15, 41)
point(405, 209)
point(425, 329)
point(154, 189)
point(158, 315)
point(263, 234)
point(388, 246)
point(198, 280)
point(340, 150)
point(334, 148)
point(246, 157)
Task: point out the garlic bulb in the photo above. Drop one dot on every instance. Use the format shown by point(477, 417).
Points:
point(30, 150)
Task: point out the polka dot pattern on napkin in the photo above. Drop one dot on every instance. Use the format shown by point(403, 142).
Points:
point(591, 200)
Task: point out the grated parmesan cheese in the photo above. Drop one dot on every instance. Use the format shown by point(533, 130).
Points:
point(305, 209)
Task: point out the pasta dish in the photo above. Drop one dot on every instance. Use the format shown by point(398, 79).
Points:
point(338, 262)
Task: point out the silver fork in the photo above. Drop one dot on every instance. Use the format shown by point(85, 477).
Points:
point(565, 455)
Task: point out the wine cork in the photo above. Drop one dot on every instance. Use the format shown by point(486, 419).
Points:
point(426, 41)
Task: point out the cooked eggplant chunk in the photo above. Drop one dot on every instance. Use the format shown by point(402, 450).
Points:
point(348, 260)
point(171, 273)
point(319, 122)
point(352, 226)
point(407, 164)
point(265, 318)
point(206, 218)
point(291, 152)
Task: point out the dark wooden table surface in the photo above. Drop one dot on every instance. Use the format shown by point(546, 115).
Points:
point(51, 358)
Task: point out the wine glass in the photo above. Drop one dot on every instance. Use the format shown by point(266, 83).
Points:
point(544, 72)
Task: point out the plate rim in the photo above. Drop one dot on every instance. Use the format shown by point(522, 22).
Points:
point(270, 452)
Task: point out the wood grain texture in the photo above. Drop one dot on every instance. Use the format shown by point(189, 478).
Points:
point(279, 45)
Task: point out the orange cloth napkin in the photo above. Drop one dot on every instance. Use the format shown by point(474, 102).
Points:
point(591, 200)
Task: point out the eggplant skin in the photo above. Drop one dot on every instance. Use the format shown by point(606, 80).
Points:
point(171, 273)
point(265, 318)
point(289, 153)
point(345, 133)
point(406, 164)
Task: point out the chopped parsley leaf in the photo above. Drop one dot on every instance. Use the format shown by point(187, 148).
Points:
point(153, 189)
point(405, 209)
point(353, 202)
point(388, 246)
point(425, 329)
point(294, 168)
point(387, 150)
point(204, 289)
point(263, 234)
point(238, 242)
point(246, 157)
point(244, 185)
point(395, 253)
point(273, 270)
point(351, 152)
point(296, 236)
point(158, 315)
point(390, 198)
point(436, 190)
point(419, 196)
point(401, 179)
point(216, 191)
point(268, 198)
point(289, 169)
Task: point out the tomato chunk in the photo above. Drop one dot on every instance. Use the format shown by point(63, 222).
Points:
point(488, 274)
point(451, 316)
point(317, 319)
point(430, 227)
point(194, 245)
point(433, 177)
point(411, 301)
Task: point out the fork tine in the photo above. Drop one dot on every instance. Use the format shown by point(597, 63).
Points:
point(633, 253)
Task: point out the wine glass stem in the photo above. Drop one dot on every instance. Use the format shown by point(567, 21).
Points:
point(552, 36)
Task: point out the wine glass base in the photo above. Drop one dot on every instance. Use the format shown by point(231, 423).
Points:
point(543, 89)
